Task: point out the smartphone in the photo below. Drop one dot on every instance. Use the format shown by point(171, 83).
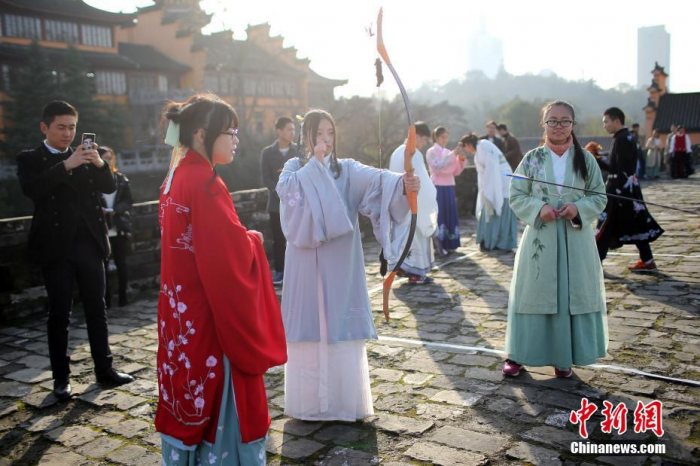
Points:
point(88, 140)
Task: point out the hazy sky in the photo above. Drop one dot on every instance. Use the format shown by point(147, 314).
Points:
point(428, 41)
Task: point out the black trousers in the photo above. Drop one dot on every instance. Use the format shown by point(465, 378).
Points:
point(83, 265)
point(603, 244)
point(689, 164)
point(641, 165)
point(279, 242)
point(120, 249)
point(678, 165)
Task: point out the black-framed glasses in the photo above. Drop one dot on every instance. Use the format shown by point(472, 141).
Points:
point(231, 132)
point(562, 123)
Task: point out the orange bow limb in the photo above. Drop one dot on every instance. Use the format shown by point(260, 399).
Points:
point(408, 166)
point(412, 197)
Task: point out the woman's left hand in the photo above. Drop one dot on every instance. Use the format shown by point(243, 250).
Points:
point(568, 211)
point(411, 183)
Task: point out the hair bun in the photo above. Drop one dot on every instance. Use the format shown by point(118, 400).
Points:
point(173, 112)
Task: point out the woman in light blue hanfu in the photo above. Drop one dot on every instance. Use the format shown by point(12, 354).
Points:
point(325, 303)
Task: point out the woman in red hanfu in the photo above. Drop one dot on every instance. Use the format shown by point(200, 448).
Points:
point(219, 321)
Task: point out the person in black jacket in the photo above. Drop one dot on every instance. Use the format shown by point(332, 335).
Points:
point(623, 221)
point(492, 135)
point(68, 238)
point(117, 211)
point(272, 159)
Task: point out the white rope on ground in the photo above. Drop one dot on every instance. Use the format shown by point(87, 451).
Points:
point(685, 256)
point(455, 347)
point(481, 349)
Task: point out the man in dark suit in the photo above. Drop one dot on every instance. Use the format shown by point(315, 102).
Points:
point(272, 159)
point(68, 238)
point(491, 127)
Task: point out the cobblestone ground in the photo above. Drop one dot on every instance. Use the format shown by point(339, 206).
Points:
point(445, 404)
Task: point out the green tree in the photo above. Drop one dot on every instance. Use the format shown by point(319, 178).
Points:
point(521, 117)
point(31, 87)
point(39, 81)
point(479, 96)
point(77, 86)
point(591, 126)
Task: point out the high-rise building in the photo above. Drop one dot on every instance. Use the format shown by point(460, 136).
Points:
point(653, 46)
point(485, 53)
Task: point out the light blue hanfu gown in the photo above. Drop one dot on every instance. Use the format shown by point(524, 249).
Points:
point(325, 303)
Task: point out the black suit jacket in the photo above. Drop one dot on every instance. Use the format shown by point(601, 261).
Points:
point(121, 217)
point(64, 201)
point(271, 163)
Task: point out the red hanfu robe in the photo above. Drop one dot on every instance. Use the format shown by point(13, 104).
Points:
point(216, 299)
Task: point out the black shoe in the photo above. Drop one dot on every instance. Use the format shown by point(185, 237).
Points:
point(114, 378)
point(123, 301)
point(62, 390)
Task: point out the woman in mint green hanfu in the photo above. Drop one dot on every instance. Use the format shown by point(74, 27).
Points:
point(556, 310)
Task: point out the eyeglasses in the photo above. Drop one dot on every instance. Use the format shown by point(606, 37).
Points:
point(231, 132)
point(562, 123)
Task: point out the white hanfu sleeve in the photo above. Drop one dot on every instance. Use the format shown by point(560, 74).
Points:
point(491, 180)
point(379, 196)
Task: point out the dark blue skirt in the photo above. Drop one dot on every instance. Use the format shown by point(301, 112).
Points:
point(448, 223)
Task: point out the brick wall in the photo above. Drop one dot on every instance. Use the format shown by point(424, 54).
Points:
point(21, 286)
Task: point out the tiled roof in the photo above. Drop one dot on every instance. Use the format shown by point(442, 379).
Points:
point(95, 59)
point(239, 55)
point(678, 109)
point(149, 58)
point(74, 9)
point(315, 78)
point(659, 68)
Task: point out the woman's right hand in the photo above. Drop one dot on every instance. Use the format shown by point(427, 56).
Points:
point(258, 234)
point(548, 213)
point(320, 150)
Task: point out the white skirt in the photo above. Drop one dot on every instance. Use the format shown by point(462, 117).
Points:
point(327, 382)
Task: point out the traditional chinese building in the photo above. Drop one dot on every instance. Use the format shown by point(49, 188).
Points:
point(122, 72)
point(664, 108)
point(260, 77)
point(158, 54)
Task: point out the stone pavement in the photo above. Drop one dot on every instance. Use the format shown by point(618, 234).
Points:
point(445, 405)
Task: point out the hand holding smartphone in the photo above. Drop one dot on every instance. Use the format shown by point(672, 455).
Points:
point(89, 146)
point(88, 140)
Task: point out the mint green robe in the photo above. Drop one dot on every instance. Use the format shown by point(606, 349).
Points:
point(556, 310)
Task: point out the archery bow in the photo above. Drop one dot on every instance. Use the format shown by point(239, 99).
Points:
point(410, 149)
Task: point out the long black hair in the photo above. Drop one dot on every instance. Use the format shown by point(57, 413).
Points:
point(309, 128)
point(579, 157)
